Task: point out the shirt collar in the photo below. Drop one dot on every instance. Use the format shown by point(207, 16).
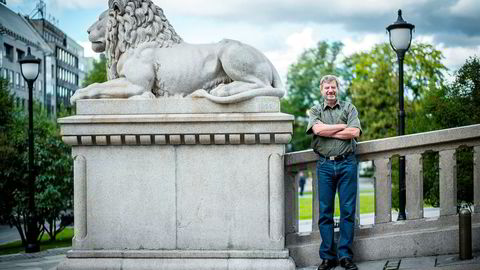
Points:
point(325, 105)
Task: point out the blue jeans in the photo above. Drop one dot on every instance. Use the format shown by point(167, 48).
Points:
point(333, 175)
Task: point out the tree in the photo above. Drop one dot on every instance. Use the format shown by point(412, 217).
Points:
point(53, 166)
point(55, 178)
point(373, 85)
point(303, 82)
point(456, 104)
point(99, 72)
point(13, 202)
point(373, 89)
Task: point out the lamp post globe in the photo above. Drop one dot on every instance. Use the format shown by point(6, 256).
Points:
point(400, 34)
point(30, 67)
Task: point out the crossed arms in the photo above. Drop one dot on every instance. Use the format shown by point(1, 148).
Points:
point(338, 131)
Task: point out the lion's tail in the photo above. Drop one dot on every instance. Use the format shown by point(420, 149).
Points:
point(267, 91)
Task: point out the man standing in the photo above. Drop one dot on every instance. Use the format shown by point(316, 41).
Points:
point(302, 181)
point(335, 127)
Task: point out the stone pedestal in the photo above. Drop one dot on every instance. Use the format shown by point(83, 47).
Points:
point(178, 184)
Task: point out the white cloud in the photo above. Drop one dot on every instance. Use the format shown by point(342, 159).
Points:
point(455, 57)
point(354, 44)
point(77, 4)
point(296, 44)
point(467, 8)
point(424, 39)
point(232, 7)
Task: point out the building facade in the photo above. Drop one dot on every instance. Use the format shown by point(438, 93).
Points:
point(63, 66)
point(16, 35)
point(66, 72)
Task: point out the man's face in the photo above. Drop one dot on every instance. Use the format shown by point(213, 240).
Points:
point(329, 91)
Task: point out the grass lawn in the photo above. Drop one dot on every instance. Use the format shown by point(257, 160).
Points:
point(64, 239)
point(367, 204)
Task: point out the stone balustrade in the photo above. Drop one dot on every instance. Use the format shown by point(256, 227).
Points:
point(417, 236)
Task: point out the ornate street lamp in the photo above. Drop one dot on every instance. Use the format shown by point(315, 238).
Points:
point(29, 66)
point(400, 33)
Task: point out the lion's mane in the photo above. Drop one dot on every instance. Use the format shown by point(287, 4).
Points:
point(132, 23)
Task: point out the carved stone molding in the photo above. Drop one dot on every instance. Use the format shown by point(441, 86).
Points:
point(178, 139)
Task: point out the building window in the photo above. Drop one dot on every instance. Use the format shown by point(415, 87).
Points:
point(10, 77)
point(8, 51)
point(40, 83)
point(4, 73)
point(17, 78)
point(20, 54)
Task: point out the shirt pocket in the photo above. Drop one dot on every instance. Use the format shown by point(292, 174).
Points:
point(343, 119)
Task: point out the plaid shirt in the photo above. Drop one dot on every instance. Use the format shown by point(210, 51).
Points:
point(342, 113)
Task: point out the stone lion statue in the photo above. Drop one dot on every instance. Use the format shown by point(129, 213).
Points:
point(146, 58)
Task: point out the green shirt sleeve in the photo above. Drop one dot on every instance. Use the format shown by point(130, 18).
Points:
point(315, 117)
point(353, 120)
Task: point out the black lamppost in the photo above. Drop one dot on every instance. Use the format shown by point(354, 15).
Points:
point(29, 66)
point(400, 33)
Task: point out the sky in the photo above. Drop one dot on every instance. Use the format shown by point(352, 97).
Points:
point(283, 29)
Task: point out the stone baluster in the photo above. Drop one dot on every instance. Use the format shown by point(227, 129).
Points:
point(414, 186)
point(291, 202)
point(80, 202)
point(448, 182)
point(276, 200)
point(476, 178)
point(383, 191)
point(315, 206)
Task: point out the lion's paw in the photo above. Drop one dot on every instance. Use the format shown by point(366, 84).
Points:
point(146, 95)
point(220, 91)
point(199, 93)
point(73, 99)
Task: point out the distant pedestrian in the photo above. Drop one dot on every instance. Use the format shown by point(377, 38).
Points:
point(302, 181)
point(335, 127)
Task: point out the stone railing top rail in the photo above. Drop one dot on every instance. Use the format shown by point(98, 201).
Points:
point(414, 143)
point(174, 105)
point(174, 118)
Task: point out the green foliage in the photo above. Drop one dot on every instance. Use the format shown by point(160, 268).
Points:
point(53, 168)
point(374, 90)
point(431, 187)
point(303, 82)
point(373, 85)
point(457, 104)
point(98, 74)
point(453, 105)
point(371, 82)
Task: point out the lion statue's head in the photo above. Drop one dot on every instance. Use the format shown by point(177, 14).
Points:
point(131, 23)
point(97, 32)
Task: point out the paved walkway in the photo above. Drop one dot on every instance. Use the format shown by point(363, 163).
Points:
point(48, 260)
point(45, 260)
point(8, 234)
point(444, 262)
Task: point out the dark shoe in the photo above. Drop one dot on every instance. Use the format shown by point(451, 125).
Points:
point(348, 264)
point(327, 265)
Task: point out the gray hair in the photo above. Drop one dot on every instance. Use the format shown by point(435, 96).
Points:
point(329, 78)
